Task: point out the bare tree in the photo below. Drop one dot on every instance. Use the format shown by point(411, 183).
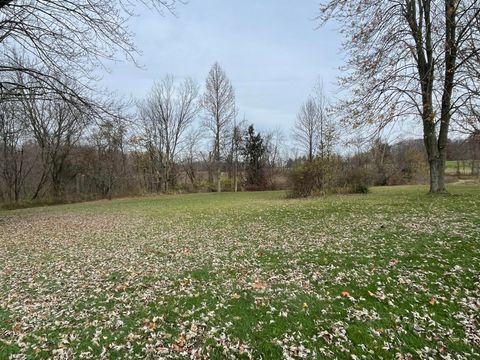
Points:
point(55, 123)
point(219, 105)
point(327, 130)
point(274, 150)
point(191, 154)
point(67, 37)
point(14, 167)
point(235, 151)
point(313, 131)
point(469, 121)
point(57, 126)
point(306, 130)
point(275, 145)
point(409, 59)
point(109, 142)
point(167, 114)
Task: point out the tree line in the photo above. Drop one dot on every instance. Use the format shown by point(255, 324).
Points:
point(179, 137)
point(182, 137)
point(411, 60)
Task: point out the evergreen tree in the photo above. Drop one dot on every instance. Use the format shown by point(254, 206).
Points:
point(253, 152)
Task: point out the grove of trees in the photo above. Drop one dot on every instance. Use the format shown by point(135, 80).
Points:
point(62, 138)
point(410, 59)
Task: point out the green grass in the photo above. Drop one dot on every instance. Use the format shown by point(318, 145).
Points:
point(454, 167)
point(244, 275)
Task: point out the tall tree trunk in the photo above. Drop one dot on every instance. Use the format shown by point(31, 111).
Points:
point(39, 187)
point(219, 183)
point(436, 156)
point(439, 155)
point(435, 146)
point(167, 178)
point(437, 175)
point(310, 149)
point(235, 174)
point(217, 159)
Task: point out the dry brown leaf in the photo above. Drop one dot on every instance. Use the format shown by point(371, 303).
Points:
point(181, 342)
point(327, 338)
point(162, 350)
point(151, 325)
point(259, 285)
point(394, 262)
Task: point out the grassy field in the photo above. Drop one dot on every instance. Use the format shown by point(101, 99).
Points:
point(394, 274)
point(461, 168)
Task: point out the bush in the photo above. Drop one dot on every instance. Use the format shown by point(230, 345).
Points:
point(321, 177)
point(306, 179)
point(203, 186)
point(357, 179)
point(226, 183)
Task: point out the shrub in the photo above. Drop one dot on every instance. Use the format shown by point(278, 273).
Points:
point(321, 177)
point(226, 183)
point(203, 186)
point(357, 180)
point(306, 179)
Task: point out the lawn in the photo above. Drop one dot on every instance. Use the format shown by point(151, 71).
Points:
point(394, 274)
point(453, 167)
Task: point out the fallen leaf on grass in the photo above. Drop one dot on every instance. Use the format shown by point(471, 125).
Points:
point(394, 262)
point(179, 344)
point(150, 325)
point(259, 285)
point(326, 337)
point(162, 350)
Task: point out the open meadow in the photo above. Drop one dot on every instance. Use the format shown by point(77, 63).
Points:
point(391, 274)
point(461, 167)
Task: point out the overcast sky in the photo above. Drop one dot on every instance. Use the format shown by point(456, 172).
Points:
point(270, 50)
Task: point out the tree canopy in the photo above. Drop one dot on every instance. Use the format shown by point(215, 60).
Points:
point(409, 59)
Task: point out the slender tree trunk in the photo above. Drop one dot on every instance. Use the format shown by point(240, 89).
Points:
point(39, 187)
point(235, 174)
point(310, 149)
point(217, 159)
point(167, 176)
point(17, 192)
point(219, 183)
point(110, 187)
